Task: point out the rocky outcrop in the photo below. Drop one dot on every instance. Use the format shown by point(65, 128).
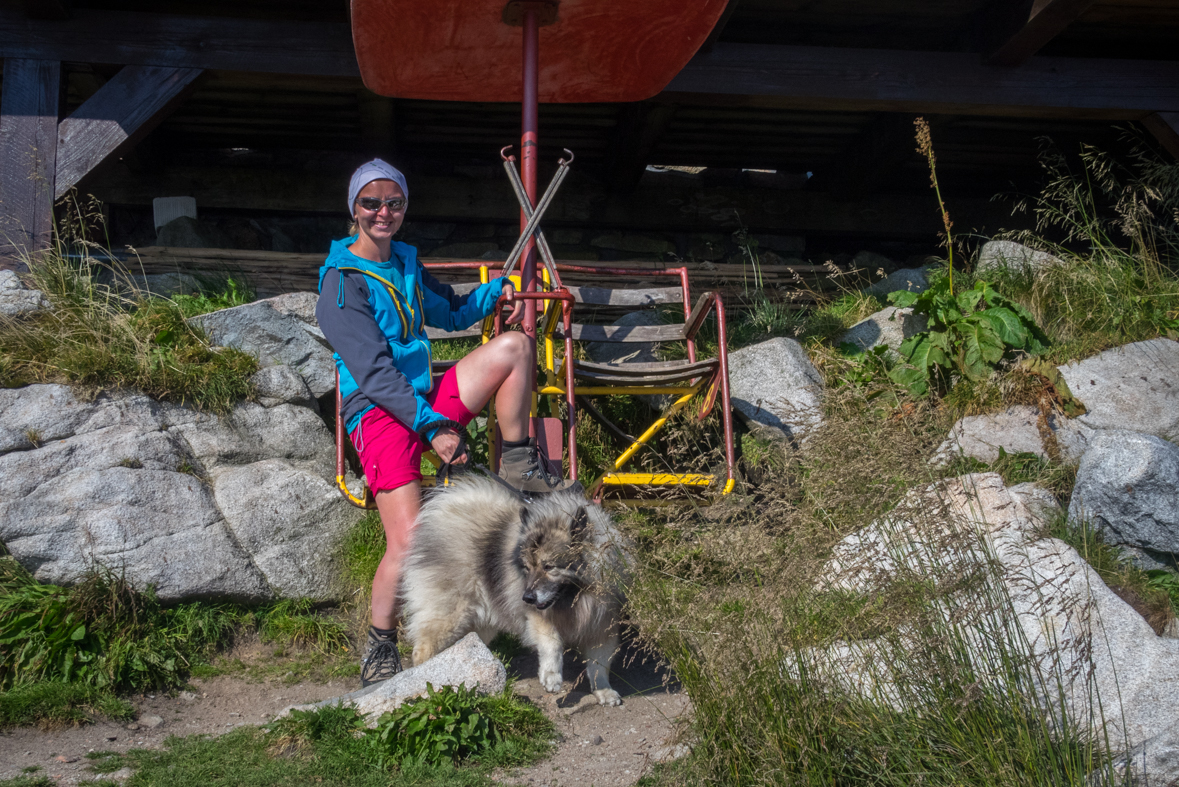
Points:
point(275, 332)
point(1017, 429)
point(1006, 255)
point(1086, 644)
point(17, 300)
point(468, 662)
point(1134, 387)
point(889, 327)
point(776, 389)
point(1128, 486)
point(234, 507)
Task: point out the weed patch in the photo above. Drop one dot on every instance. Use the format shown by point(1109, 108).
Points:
point(54, 704)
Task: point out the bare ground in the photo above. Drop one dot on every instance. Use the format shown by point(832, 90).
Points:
point(599, 746)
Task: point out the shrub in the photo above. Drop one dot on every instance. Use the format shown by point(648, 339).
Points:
point(443, 726)
point(214, 296)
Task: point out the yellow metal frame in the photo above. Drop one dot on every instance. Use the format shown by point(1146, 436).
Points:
point(684, 393)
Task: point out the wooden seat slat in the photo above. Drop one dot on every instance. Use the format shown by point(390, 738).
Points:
point(638, 297)
point(658, 373)
point(437, 334)
point(625, 333)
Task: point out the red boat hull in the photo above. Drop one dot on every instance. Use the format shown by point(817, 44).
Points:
point(462, 50)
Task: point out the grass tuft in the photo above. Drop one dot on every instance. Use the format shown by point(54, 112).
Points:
point(114, 336)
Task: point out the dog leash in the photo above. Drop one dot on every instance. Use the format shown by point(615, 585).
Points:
point(449, 469)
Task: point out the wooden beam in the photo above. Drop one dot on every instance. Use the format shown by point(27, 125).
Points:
point(48, 9)
point(1023, 27)
point(1165, 128)
point(272, 46)
point(28, 157)
point(673, 203)
point(719, 27)
point(817, 78)
point(111, 121)
point(833, 79)
point(639, 128)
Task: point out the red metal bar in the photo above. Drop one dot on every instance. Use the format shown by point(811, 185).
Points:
point(687, 310)
point(529, 142)
point(570, 397)
point(567, 268)
point(726, 406)
point(339, 431)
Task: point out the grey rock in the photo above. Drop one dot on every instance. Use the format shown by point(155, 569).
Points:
point(150, 721)
point(300, 305)
point(1128, 485)
point(39, 414)
point(276, 385)
point(1015, 430)
point(290, 521)
point(123, 481)
point(872, 262)
point(910, 279)
point(468, 662)
point(670, 753)
point(114, 497)
point(185, 232)
point(121, 775)
point(1153, 763)
point(17, 300)
point(889, 326)
point(251, 433)
point(1087, 643)
point(273, 338)
point(1133, 387)
point(776, 389)
point(1008, 255)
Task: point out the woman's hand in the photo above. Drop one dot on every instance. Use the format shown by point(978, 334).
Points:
point(445, 442)
point(517, 314)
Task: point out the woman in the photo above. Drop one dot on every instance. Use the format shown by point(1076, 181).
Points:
point(375, 301)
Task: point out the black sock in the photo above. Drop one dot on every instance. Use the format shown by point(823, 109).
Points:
point(384, 633)
point(516, 443)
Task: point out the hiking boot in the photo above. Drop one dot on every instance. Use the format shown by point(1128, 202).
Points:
point(526, 470)
point(382, 661)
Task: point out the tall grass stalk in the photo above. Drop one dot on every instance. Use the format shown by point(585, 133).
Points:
point(925, 148)
point(923, 676)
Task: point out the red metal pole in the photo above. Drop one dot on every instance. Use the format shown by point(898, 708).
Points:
point(529, 127)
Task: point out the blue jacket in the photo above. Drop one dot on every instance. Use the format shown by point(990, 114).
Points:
point(374, 315)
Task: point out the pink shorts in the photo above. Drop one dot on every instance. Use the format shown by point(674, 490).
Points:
point(390, 452)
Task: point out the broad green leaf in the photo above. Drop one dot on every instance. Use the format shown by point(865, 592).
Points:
point(79, 632)
point(903, 298)
point(1007, 326)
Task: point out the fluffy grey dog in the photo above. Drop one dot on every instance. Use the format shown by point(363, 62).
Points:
point(548, 572)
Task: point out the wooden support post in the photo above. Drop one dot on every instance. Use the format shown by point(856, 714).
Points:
point(639, 128)
point(28, 158)
point(1023, 27)
point(111, 121)
point(1165, 127)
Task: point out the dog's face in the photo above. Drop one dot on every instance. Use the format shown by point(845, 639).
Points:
point(550, 555)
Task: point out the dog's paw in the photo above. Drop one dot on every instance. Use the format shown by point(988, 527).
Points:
point(608, 697)
point(551, 680)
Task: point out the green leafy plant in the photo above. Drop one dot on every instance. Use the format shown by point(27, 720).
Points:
point(232, 293)
point(444, 726)
point(969, 334)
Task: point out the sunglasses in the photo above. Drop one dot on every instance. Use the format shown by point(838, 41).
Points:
point(374, 204)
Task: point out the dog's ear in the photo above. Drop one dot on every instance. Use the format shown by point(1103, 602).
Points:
point(525, 512)
point(580, 522)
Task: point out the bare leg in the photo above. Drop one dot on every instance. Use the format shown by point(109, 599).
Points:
point(503, 367)
point(399, 512)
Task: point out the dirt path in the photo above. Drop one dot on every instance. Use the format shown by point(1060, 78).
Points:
point(605, 747)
